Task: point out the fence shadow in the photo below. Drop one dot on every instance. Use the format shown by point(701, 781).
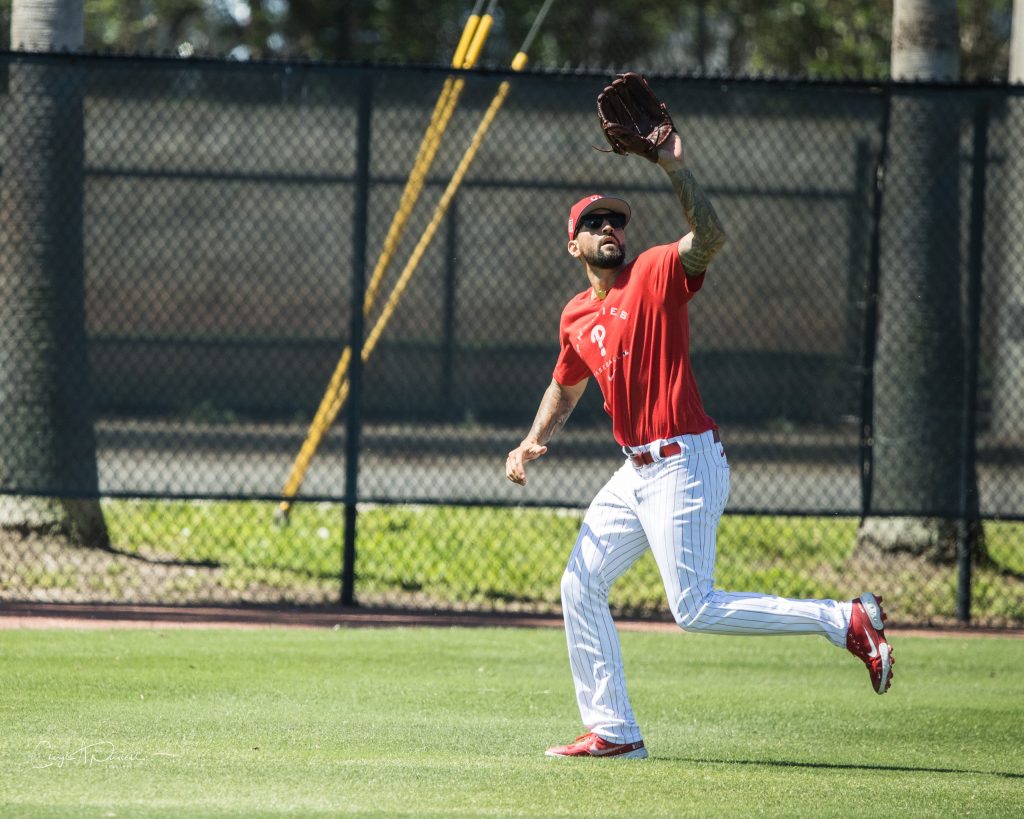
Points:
point(847, 766)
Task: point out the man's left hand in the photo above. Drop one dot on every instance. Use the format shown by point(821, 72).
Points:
point(670, 152)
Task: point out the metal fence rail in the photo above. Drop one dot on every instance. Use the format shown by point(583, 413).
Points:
point(185, 251)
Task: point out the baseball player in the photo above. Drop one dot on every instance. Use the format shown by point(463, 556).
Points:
point(629, 332)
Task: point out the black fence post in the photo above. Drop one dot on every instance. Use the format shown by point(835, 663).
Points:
point(355, 371)
point(968, 517)
point(448, 409)
point(860, 225)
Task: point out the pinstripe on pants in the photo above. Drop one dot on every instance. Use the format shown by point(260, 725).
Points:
point(671, 506)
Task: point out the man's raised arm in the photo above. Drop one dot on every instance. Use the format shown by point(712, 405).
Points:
point(706, 236)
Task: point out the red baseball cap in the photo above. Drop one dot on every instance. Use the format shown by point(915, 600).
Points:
point(595, 202)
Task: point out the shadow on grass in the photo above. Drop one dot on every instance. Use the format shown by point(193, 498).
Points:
point(846, 766)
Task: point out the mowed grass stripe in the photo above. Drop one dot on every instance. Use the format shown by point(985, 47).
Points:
point(454, 722)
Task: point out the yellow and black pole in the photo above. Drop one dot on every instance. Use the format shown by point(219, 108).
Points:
point(337, 391)
point(467, 52)
point(474, 35)
point(518, 63)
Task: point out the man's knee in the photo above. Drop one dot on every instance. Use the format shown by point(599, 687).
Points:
point(688, 607)
point(570, 586)
point(578, 582)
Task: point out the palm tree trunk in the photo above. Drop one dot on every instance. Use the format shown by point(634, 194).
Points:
point(1008, 379)
point(47, 449)
point(919, 365)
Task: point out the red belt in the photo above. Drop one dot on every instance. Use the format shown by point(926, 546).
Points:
point(645, 458)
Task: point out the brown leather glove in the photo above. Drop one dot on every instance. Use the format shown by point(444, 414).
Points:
point(634, 121)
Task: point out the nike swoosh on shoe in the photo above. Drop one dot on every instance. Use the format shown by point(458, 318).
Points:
point(874, 649)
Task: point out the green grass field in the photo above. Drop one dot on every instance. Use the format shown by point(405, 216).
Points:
point(490, 556)
point(436, 722)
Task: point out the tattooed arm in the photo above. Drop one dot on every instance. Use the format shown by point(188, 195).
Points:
point(706, 237)
point(555, 407)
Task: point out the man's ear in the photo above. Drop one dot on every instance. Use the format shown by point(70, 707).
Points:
point(574, 248)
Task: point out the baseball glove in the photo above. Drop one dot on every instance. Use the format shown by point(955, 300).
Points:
point(634, 121)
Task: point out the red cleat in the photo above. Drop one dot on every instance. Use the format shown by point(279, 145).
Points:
point(591, 744)
point(866, 641)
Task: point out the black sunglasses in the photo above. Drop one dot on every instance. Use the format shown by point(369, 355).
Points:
point(595, 221)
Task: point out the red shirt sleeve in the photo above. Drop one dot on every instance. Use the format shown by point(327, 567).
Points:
point(570, 368)
point(668, 278)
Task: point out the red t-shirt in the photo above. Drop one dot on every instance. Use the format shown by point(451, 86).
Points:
point(636, 343)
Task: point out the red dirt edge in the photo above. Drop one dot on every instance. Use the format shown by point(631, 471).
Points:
point(32, 615)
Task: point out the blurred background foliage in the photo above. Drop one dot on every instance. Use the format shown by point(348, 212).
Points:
point(796, 38)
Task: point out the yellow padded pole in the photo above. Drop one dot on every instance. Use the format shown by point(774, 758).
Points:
point(471, 43)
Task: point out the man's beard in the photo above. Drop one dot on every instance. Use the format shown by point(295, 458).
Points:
point(605, 257)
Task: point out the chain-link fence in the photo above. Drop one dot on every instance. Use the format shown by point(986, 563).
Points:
point(186, 246)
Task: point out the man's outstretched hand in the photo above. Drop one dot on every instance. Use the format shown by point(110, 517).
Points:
point(670, 154)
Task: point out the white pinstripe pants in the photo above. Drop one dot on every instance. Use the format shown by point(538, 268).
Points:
point(671, 506)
